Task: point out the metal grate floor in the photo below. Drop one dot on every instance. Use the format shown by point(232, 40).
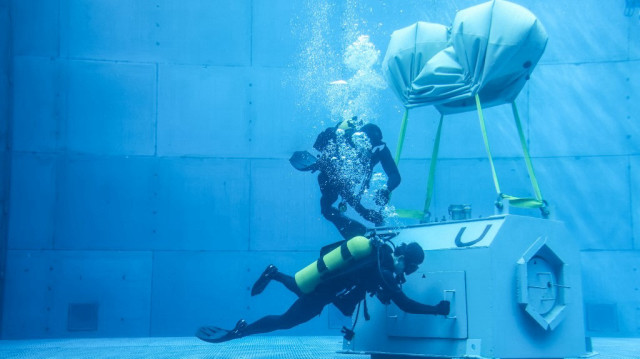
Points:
point(258, 347)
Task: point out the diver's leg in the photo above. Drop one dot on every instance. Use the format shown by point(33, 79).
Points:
point(370, 215)
point(347, 227)
point(288, 281)
point(263, 280)
point(302, 310)
point(328, 198)
point(272, 273)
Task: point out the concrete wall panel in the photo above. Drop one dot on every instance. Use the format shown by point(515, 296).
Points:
point(203, 111)
point(4, 182)
point(192, 289)
point(285, 210)
point(120, 284)
point(276, 44)
point(5, 73)
point(37, 107)
point(588, 116)
point(633, 115)
point(279, 126)
point(464, 181)
point(109, 30)
point(111, 108)
point(422, 124)
point(33, 201)
point(29, 303)
point(634, 36)
point(618, 289)
point(635, 200)
point(44, 284)
point(462, 134)
point(582, 31)
point(205, 32)
point(38, 33)
point(202, 204)
point(106, 203)
point(198, 32)
point(380, 18)
point(592, 196)
point(471, 182)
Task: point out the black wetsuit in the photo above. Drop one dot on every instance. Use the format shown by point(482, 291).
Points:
point(345, 290)
point(332, 187)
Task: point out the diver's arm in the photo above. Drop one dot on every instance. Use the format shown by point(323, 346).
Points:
point(390, 168)
point(411, 306)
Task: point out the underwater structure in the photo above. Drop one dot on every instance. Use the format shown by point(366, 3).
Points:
point(514, 286)
point(513, 281)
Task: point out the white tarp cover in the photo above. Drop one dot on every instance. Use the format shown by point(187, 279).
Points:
point(409, 50)
point(491, 51)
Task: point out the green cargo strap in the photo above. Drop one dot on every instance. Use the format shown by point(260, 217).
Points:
point(432, 169)
point(410, 213)
point(525, 150)
point(537, 202)
point(486, 145)
point(403, 130)
point(424, 214)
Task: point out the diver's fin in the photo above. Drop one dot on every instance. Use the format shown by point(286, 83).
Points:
point(219, 335)
point(211, 334)
point(303, 161)
point(264, 279)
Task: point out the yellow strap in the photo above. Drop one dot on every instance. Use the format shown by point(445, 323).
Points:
point(403, 131)
point(410, 213)
point(432, 168)
point(486, 145)
point(525, 150)
point(405, 213)
point(425, 214)
point(537, 202)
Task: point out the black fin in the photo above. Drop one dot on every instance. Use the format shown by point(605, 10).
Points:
point(303, 161)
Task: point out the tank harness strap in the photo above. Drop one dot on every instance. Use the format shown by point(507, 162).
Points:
point(344, 252)
point(322, 266)
point(366, 309)
point(349, 333)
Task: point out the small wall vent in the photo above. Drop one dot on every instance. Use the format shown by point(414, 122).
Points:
point(602, 317)
point(82, 317)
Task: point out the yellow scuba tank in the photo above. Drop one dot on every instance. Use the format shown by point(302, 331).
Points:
point(310, 276)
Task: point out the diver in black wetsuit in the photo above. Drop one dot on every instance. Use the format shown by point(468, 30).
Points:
point(334, 182)
point(380, 273)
